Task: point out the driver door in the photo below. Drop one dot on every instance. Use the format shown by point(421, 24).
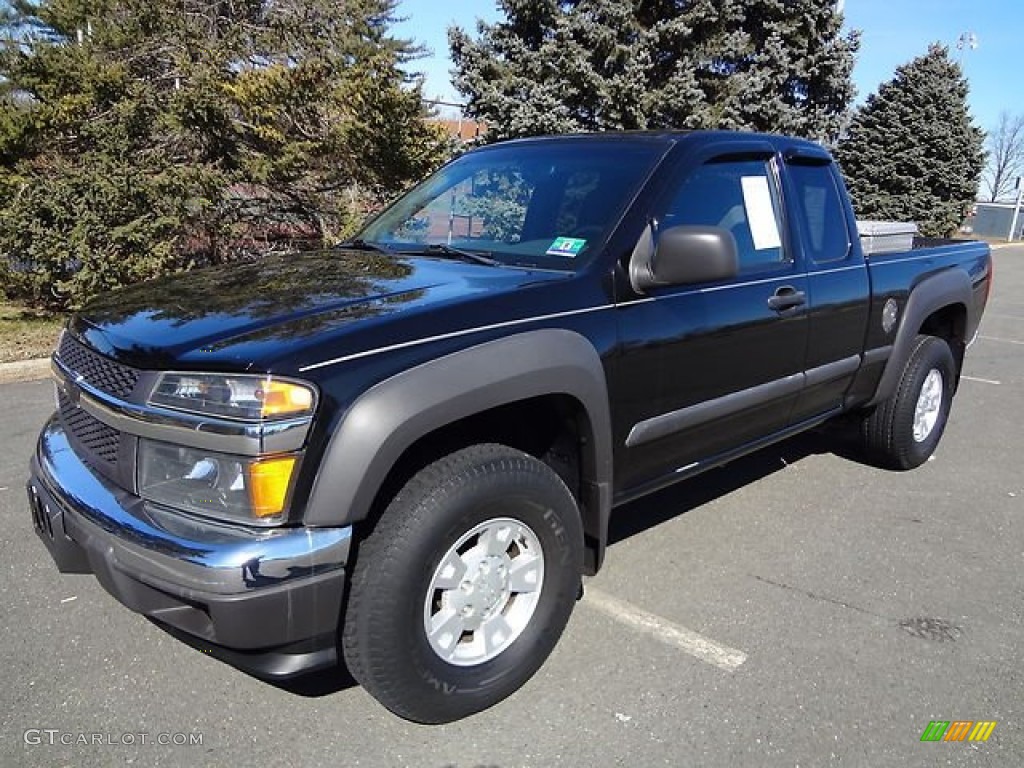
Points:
point(708, 368)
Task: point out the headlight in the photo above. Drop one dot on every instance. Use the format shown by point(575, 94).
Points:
point(243, 396)
point(251, 490)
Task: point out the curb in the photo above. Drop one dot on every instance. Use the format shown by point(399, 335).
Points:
point(25, 370)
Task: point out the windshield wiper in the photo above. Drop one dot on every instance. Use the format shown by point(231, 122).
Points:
point(364, 245)
point(441, 249)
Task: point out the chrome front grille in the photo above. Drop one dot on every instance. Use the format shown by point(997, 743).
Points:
point(97, 439)
point(98, 371)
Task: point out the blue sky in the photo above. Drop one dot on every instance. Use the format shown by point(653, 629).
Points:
point(892, 33)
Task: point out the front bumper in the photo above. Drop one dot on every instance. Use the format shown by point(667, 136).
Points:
point(265, 600)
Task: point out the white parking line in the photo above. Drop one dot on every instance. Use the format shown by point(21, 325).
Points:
point(664, 630)
point(980, 380)
point(996, 338)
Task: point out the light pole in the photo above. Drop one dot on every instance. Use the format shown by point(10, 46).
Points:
point(1016, 211)
point(967, 40)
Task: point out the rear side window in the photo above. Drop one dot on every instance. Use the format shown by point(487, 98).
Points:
point(741, 197)
point(820, 207)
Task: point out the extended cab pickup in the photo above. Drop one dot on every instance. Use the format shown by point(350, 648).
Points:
point(405, 451)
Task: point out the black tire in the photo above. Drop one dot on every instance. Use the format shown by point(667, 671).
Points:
point(384, 638)
point(887, 432)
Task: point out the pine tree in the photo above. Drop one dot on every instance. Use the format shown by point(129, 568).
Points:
point(913, 152)
point(139, 137)
point(560, 65)
point(548, 70)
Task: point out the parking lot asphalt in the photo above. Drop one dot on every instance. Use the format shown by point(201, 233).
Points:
point(857, 605)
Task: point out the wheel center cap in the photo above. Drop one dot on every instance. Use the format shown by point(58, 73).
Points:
point(489, 584)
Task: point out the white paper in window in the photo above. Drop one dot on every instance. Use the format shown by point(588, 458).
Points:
point(757, 199)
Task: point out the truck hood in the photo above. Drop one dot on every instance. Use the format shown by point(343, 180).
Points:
point(242, 314)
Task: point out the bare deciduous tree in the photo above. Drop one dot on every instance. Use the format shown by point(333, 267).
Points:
point(1005, 146)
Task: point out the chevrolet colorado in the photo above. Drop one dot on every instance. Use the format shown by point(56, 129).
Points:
point(405, 451)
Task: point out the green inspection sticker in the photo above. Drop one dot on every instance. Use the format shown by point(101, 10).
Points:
point(569, 247)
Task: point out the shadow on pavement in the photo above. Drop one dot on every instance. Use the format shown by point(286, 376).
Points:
point(660, 507)
point(321, 683)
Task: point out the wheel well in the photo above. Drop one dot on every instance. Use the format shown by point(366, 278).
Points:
point(950, 324)
point(552, 428)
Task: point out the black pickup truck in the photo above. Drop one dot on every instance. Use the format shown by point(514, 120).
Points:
point(405, 451)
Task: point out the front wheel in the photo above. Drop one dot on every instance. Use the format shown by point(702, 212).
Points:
point(465, 584)
point(903, 431)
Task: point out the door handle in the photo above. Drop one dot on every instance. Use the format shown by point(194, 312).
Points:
point(787, 297)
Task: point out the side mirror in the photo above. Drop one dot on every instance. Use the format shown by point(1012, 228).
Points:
point(682, 256)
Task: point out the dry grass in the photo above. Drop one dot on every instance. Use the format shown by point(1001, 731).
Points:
point(26, 333)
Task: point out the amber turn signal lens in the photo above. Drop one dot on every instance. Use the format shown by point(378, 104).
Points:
point(282, 398)
point(268, 485)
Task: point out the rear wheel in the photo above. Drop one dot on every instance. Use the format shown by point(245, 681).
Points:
point(465, 584)
point(904, 430)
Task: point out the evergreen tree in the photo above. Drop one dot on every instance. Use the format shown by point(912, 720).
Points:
point(562, 65)
point(139, 137)
point(913, 152)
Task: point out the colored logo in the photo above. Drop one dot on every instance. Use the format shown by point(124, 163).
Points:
point(958, 730)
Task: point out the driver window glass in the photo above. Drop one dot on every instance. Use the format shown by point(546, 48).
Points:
point(741, 197)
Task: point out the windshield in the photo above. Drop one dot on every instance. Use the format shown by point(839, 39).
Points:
point(548, 205)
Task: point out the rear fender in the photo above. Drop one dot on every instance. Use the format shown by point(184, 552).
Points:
point(931, 295)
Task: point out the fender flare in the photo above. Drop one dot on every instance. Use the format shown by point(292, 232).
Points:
point(392, 415)
point(932, 294)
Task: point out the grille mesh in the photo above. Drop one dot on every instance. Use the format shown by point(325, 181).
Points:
point(101, 441)
point(100, 372)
